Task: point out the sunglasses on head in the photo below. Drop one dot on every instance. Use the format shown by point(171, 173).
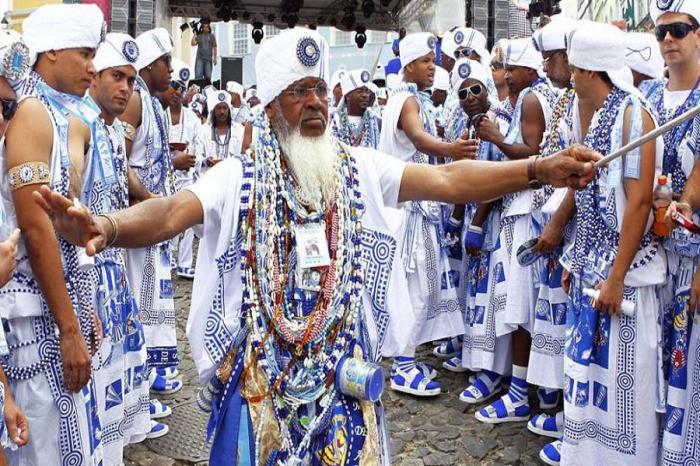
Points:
point(463, 53)
point(677, 30)
point(474, 90)
point(9, 107)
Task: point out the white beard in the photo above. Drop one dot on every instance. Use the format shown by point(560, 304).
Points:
point(313, 162)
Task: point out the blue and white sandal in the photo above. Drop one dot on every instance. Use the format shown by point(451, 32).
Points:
point(448, 349)
point(167, 372)
point(163, 386)
point(454, 364)
point(414, 382)
point(158, 410)
point(549, 426)
point(548, 405)
point(158, 429)
point(551, 453)
point(427, 370)
point(504, 410)
point(481, 389)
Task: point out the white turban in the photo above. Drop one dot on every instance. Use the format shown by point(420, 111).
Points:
point(465, 69)
point(643, 55)
point(63, 26)
point(448, 45)
point(117, 50)
point(393, 81)
point(689, 7)
point(554, 35)
point(181, 71)
point(522, 52)
point(416, 45)
point(153, 44)
point(14, 57)
point(597, 47)
point(442, 79)
point(336, 78)
point(472, 39)
point(355, 79)
point(250, 92)
point(236, 88)
point(291, 55)
point(216, 98)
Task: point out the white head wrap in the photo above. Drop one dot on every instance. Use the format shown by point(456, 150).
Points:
point(393, 81)
point(181, 71)
point(337, 78)
point(218, 97)
point(196, 107)
point(355, 79)
point(250, 92)
point(14, 57)
point(448, 45)
point(442, 79)
point(554, 35)
point(689, 7)
point(63, 26)
point(470, 38)
point(522, 52)
point(416, 45)
point(465, 69)
point(292, 55)
point(596, 47)
point(643, 55)
point(236, 88)
point(153, 44)
point(117, 50)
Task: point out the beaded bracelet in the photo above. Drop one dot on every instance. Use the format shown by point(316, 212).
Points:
point(115, 229)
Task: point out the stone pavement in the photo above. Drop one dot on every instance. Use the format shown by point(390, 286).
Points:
point(424, 432)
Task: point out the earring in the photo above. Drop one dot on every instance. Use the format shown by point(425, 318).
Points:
point(149, 67)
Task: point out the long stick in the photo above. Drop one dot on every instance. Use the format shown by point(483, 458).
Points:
point(660, 131)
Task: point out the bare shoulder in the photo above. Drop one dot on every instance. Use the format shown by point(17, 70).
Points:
point(132, 114)
point(29, 135)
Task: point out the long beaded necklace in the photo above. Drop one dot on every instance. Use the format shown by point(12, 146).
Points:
point(365, 134)
point(296, 353)
point(221, 147)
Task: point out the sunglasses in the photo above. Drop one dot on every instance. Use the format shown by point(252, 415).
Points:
point(463, 53)
point(9, 108)
point(677, 30)
point(474, 90)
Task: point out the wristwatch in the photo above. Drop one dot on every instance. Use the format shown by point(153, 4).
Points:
point(532, 180)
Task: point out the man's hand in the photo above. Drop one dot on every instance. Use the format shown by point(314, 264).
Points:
point(8, 257)
point(565, 281)
point(76, 359)
point(75, 224)
point(550, 239)
point(610, 298)
point(211, 161)
point(213, 60)
point(464, 149)
point(677, 208)
point(488, 131)
point(572, 167)
point(15, 421)
point(183, 161)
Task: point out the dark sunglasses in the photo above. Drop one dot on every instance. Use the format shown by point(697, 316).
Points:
point(9, 108)
point(474, 90)
point(677, 30)
point(463, 53)
point(177, 85)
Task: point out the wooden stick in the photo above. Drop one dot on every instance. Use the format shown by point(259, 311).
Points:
point(660, 131)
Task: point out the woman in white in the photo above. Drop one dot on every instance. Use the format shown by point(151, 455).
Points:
point(220, 137)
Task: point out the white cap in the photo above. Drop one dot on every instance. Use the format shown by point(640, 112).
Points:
point(355, 79)
point(442, 79)
point(63, 26)
point(554, 35)
point(236, 88)
point(216, 98)
point(291, 55)
point(181, 71)
point(522, 52)
point(465, 69)
point(336, 78)
point(416, 45)
point(118, 49)
point(473, 39)
point(659, 7)
point(643, 55)
point(153, 44)
point(597, 47)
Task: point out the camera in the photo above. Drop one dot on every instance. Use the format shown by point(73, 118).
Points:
point(196, 25)
point(543, 8)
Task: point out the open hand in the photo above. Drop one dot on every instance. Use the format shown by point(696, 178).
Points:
point(75, 224)
point(15, 421)
point(464, 148)
point(572, 167)
point(8, 257)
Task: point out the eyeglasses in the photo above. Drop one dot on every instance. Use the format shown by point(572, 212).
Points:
point(177, 85)
point(677, 30)
point(474, 90)
point(300, 93)
point(463, 53)
point(9, 108)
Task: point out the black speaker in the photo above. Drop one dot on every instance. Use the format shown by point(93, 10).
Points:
point(231, 70)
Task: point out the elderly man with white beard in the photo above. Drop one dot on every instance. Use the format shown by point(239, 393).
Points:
point(293, 299)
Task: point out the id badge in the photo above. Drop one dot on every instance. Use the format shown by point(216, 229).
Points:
point(312, 246)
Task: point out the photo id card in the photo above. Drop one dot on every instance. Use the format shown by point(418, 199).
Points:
point(312, 245)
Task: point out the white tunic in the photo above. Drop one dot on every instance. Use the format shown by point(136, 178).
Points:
point(185, 131)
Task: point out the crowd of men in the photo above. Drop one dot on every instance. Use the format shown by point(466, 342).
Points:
point(340, 223)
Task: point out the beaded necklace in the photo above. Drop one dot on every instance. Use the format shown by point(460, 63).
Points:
point(297, 351)
point(221, 147)
point(366, 134)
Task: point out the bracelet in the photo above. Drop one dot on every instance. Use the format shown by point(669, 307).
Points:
point(115, 229)
point(532, 180)
point(129, 131)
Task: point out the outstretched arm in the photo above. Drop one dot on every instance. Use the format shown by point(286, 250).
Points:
point(475, 180)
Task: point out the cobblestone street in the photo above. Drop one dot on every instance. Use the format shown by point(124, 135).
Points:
point(432, 432)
